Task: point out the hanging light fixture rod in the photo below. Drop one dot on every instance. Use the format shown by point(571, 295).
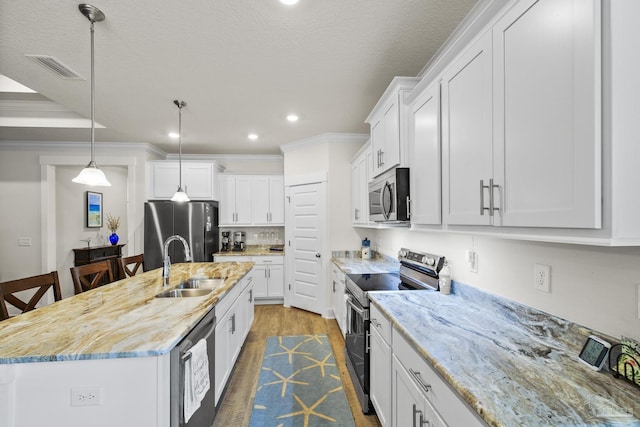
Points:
point(91, 174)
point(180, 195)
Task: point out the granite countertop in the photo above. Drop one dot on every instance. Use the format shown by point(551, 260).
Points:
point(351, 262)
point(121, 319)
point(253, 250)
point(515, 365)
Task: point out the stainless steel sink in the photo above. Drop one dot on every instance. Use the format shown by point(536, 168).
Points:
point(181, 293)
point(203, 283)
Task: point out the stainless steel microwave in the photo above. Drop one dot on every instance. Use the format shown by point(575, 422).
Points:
point(389, 196)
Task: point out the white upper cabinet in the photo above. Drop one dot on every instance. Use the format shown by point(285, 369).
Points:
point(386, 121)
point(235, 200)
point(425, 157)
point(547, 103)
point(198, 180)
point(467, 137)
point(360, 166)
point(521, 111)
point(267, 193)
point(251, 200)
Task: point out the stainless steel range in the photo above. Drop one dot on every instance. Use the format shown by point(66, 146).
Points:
point(418, 271)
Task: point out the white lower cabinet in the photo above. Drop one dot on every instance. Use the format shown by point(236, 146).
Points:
point(420, 395)
point(234, 314)
point(380, 368)
point(267, 273)
point(339, 302)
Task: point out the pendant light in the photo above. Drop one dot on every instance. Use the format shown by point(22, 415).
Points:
point(91, 174)
point(181, 195)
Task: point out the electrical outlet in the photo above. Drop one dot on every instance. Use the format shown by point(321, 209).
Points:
point(86, 396)
point(472, 259)
point(542, 278)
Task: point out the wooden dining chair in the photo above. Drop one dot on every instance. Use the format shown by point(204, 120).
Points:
point(90, 276)
point(42, 283)
point(136, 261)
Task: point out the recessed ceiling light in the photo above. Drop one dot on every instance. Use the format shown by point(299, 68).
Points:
point(289, 2)
point(174, 135)
point(292, 118)
point(252, 136)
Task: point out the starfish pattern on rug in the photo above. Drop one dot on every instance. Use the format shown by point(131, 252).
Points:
point(320, 363)
point(283, 380)
point(290, 351)
point(315, 337)
point(307, 411)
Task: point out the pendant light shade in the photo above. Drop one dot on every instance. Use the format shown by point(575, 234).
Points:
point(91, 174)
point(181, 195)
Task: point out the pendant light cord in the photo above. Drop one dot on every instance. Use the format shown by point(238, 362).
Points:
point(93, 89)
point(180, 143)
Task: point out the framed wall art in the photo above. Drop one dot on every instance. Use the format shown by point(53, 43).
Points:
point(94, 209)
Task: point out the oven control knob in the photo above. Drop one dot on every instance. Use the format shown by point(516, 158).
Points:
point(402, 253)
point(428, 261)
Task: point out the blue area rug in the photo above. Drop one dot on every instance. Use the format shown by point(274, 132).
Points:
point(300, 385)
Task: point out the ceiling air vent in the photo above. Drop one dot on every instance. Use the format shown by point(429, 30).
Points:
point(55, 66)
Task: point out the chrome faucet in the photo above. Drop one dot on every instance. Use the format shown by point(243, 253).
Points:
point(166, 263)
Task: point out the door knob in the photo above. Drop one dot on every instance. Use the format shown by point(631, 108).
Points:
point(317, 255)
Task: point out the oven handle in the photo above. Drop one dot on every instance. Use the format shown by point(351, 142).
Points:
point(357, 309)
point(387, 188)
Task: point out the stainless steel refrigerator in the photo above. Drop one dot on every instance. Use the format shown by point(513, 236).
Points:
point(197, 222)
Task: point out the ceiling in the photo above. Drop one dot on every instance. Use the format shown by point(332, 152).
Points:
point(241, 65)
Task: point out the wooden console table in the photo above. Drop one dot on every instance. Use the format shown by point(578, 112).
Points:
point(93, 254)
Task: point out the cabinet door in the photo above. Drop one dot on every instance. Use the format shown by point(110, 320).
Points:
point(407, 400)
point(467, 135)
point(548, 113)
point(243, 200)
point(165, 180)
point(223, 364)
point(260, 280)
point(276, 200)
point(227, 205)
point(260, 199)
point(247, 311)
point(380, 359)
point(355, 193)
point(197, 179)
point(391, 122)
point(377, 145)
point(425, 160)
point(276, 281)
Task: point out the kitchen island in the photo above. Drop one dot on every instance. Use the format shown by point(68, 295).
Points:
point(510, 364)
point(115, 339)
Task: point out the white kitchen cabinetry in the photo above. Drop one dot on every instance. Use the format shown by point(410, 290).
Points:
point(235, 316)
point(425, 157)
point(267, 193)
point(467, 137)
point(267, 274)
point(521, 121)
point(235, 200)
point(198, 180)
point(386, 121)
point(339, 302)
point(360, 166)
point(380, 368)
point(419, 394)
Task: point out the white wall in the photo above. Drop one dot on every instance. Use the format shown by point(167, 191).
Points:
point(592, 286)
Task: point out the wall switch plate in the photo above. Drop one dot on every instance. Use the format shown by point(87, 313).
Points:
point(472, 259)
point(86, 396)
point(24, 241)
point(542, 278)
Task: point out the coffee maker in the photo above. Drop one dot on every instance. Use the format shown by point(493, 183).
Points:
point(226, 241)
point(238, 240)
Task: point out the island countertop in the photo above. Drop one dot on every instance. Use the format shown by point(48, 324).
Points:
point(514, 365)
point(121, 319)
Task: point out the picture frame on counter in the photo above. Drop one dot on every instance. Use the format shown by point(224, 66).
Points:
point(93, 209)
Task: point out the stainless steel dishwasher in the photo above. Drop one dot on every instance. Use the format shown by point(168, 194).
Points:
point(204, 415)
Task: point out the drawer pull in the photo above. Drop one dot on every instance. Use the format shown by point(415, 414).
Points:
point(416, 376)
point(375, 322)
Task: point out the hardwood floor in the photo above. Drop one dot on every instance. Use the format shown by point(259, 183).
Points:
point(270, 320)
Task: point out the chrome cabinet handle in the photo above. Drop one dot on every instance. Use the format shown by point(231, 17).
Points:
point(492, 206)
point(408, 207)
point(482, 187)
point(334, 286)
point(375, 322)
point(381, 157)
point(250, 295)
point(367, 343)
point(233, 323)
point(415, 412)
point(416, 375)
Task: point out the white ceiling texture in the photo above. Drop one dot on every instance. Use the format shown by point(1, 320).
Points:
point(241, 66)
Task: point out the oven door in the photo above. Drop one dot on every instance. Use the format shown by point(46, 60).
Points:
point(357, 349)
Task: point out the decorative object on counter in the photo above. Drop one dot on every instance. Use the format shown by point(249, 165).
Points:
point(238, 241)
point(180, 195)
point(94, 209)
point(444, 283)
point(624, 360)
point(226, 241)
point(366, 248)
point(594, 352)
point(113, 223)
point(92, 174)
point(300, 384)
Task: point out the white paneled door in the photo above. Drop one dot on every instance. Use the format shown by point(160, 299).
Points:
point(307, 223)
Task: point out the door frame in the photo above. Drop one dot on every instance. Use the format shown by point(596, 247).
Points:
point(293, 181)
